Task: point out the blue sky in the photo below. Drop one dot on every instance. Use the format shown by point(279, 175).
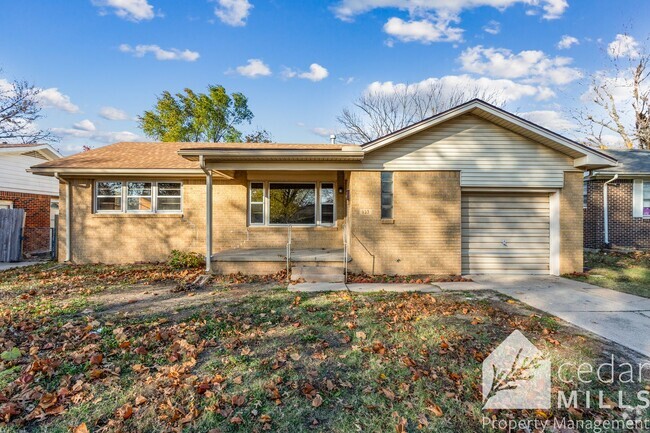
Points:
point(102, 62)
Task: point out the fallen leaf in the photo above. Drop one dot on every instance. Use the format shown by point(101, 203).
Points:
point(317, 401)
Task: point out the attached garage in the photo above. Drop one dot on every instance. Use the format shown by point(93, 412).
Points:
point(506, 233)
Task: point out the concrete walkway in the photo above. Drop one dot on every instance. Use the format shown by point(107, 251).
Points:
point(6, 266)
point(362, 288)
point(616, 316)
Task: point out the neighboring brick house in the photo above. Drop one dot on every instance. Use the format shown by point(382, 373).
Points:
point(37, 195)
point(626, 188)
point(472, 190)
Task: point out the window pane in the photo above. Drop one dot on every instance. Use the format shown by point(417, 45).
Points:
point(387, 212)
point(646, 189)
point(327, 193)
point(109, 203)
point(257, 192)
point(138, 203)
point(169, 203)
point(386, 176)
point(139, 189)
point(292, 203)
point(386, 194)
point(257, 213)
point(109, 188)
point(169, 189)
point(327, 214)
point(386, 199)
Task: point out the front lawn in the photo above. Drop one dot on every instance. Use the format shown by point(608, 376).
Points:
point(625, 272)
point(117, 348)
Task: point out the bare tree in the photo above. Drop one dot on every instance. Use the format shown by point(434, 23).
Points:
point(19, 110)
point(377, 112)
point(619, 99)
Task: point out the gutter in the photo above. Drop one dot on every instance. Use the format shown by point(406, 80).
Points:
point(208, 215)
point(68, 208)
point(606, 209)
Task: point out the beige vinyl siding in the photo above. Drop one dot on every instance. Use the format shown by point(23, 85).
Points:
point(505, 233)
point(487, 155)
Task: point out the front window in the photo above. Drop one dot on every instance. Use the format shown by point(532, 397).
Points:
point(138, 197)
point(257, 203)
point(585, 191)
point(292, 203)
point(327, 203)
point(109, 196)
point(386, 195)
point(646, 198)
point(169, 197)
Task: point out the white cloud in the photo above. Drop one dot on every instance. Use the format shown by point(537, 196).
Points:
point(323, 132)
point(424, 31)
point(85, 125)
point(112, 113)
point(347, 9)
point(53, 98)
point(253, 69)
point(87, 130)
point(532, 66)
point(233, 12)
point(159, 53)
point(506, 90)
point(133, 10)
point(567, 42)
point(624, 46)
point(316, 73)
point(493, 27)
point(550, 119)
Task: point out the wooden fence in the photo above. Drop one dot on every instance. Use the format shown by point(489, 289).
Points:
point(11, 234)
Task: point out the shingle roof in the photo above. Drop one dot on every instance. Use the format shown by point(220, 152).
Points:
point(630, 161)
point(159, 155)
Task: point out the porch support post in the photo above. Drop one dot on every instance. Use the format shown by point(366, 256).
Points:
point(208, 216)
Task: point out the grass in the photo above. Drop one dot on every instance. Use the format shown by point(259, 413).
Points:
point(624, 272)
point(259, 358)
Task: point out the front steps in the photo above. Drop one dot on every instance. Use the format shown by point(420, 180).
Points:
point(318, 274)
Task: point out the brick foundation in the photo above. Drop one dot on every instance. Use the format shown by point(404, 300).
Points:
point(36, 235)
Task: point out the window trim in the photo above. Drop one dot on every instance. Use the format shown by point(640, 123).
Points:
point(392, 196)
point(319, 220)
point(97, 197)
point(179, 211)
point(124, 196)
point(250, 203)
point(152, 196)
point(645, 183)
point(7, 202)
point(266, 184)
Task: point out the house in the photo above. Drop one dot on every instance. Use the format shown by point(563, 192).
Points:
point(474, 189)
point(617, 202)
point(37, 195)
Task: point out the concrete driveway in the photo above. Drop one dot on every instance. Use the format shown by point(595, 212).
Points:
point(619, 317)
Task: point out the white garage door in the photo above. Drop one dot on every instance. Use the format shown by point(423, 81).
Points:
point(505, 233)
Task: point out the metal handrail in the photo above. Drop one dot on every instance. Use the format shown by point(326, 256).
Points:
point(288, 252)
point(367, 250)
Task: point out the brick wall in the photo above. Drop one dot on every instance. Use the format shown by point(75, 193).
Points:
point(571, 224)
point(425, 236)
point(37, 219)
point(624, 230)
point(125, 238)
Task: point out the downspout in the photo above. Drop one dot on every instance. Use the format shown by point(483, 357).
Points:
point(68, 207)
point(606, 209)
point(208, 215)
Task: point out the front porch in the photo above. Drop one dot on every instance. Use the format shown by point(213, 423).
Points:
point(264, 261)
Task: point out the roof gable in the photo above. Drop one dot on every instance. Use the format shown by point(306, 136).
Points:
point(584, 157)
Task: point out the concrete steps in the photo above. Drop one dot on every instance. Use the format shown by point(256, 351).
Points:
point(318, 274)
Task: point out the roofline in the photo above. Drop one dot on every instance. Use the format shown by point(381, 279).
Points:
point(343, 154)
point(51, 171)
point(608, 174)
point(478, 103)
point(47, 150)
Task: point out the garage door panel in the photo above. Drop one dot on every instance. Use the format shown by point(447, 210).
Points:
point(521, 220)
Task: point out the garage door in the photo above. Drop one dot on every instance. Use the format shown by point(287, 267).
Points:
point(505, 233)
